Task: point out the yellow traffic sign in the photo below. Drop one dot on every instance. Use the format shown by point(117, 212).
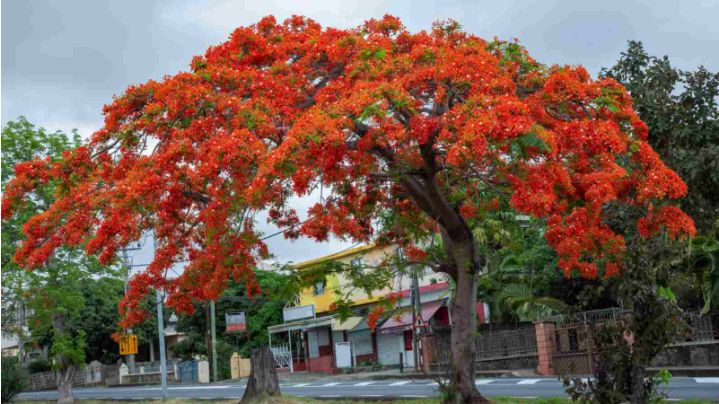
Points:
point(128, 345)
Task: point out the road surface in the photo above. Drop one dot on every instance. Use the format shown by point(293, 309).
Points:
point(679, 388)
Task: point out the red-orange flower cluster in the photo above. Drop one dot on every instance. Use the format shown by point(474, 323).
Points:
point(372, 119)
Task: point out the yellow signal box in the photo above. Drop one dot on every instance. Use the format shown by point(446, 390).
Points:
point(128, 345)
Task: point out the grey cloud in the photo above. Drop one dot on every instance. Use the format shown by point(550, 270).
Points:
point(63, 60)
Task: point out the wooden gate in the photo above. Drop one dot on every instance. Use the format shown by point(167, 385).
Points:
point(575, 352)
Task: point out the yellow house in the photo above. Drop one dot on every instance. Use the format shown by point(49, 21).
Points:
point(323, 294)
point(313, 339)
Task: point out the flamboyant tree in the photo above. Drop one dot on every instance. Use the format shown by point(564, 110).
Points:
point(407, 135)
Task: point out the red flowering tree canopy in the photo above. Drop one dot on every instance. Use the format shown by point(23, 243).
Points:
point(381, 119)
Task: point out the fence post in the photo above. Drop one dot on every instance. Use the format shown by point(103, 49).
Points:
point(546, 346)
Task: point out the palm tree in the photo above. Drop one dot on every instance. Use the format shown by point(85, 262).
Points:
point(518, 300)
point(704, 268)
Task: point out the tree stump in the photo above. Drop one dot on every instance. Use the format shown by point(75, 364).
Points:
point(263, 380)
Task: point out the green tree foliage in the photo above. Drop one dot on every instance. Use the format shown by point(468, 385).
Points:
point(683, 125)
point(655, 320)
point(704, 270)
point(264, 311)
point(13, 378)
point(50, 292)
point(100, 318)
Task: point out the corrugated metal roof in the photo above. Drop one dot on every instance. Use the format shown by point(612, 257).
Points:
point(301, 322)
point(428, 310)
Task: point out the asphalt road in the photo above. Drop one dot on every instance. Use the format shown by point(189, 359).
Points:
point(679, 388)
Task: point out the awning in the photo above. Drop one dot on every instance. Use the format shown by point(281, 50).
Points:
point(308, 324)
point(348, 324)
point(302, 324)
point(361, 326)
point(405, 321)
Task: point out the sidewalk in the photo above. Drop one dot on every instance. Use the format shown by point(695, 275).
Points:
point(389, 374)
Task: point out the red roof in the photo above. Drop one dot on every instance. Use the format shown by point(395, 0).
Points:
point(422, 289)
point(428, 310)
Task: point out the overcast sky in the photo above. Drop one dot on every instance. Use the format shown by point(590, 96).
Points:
point(63, 60)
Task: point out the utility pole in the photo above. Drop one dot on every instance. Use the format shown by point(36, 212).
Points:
point(214, 342)
point(128, 266)
point(161, 331)
point(416, 309)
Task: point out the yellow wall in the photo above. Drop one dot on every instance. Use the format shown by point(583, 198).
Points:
point(370, 256)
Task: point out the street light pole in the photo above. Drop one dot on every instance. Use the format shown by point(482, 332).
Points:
point(214, 341)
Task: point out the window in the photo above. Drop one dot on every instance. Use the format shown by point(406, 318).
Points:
point(320, 288)
point(357, 263)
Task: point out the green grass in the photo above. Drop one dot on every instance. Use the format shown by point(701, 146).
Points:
point(307, 400)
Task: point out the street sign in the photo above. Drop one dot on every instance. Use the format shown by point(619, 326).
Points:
point(128, 345)
point(419, 323)
point(235, 322)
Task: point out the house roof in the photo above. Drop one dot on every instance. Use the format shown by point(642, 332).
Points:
point(405, 320)
point(341, 254)
point(422, 289)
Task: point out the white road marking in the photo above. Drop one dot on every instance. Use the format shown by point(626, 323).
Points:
point(415, 396)
point(530, 381)
point(191, 388)
point(400, 383)
point(372, 395)
point(329, 385)
point(707, 379)
point(330, 396)
point(301, 385)
point(483, 382)
point(365, 384)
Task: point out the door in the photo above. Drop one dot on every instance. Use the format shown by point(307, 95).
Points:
point(343, 352)
point(389, 347)
point(408, 352)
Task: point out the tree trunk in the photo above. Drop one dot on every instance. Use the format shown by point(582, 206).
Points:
point(263, 380)
point(64, 385)
point(639, 392)
point(464, 328)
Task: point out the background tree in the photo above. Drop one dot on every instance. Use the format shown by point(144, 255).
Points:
point(655, 320)
point(49, 292)
point(100, 317)
point(680, 108)
point(261, 312)
point(406, 136)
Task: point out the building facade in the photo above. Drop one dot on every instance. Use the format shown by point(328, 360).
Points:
point(313, 339)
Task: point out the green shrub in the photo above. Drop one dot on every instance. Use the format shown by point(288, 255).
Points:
point(39, 366)
point(13, 378)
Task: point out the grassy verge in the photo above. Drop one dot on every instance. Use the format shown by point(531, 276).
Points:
point(306, 400)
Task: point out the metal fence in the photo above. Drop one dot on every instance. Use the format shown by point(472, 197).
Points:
point(587, 317)
point(507, 343)
point(492, 345)
point(700, 328)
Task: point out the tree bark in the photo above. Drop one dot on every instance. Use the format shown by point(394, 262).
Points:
point(263, 380)
point(64, 379)
point(464, 328)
